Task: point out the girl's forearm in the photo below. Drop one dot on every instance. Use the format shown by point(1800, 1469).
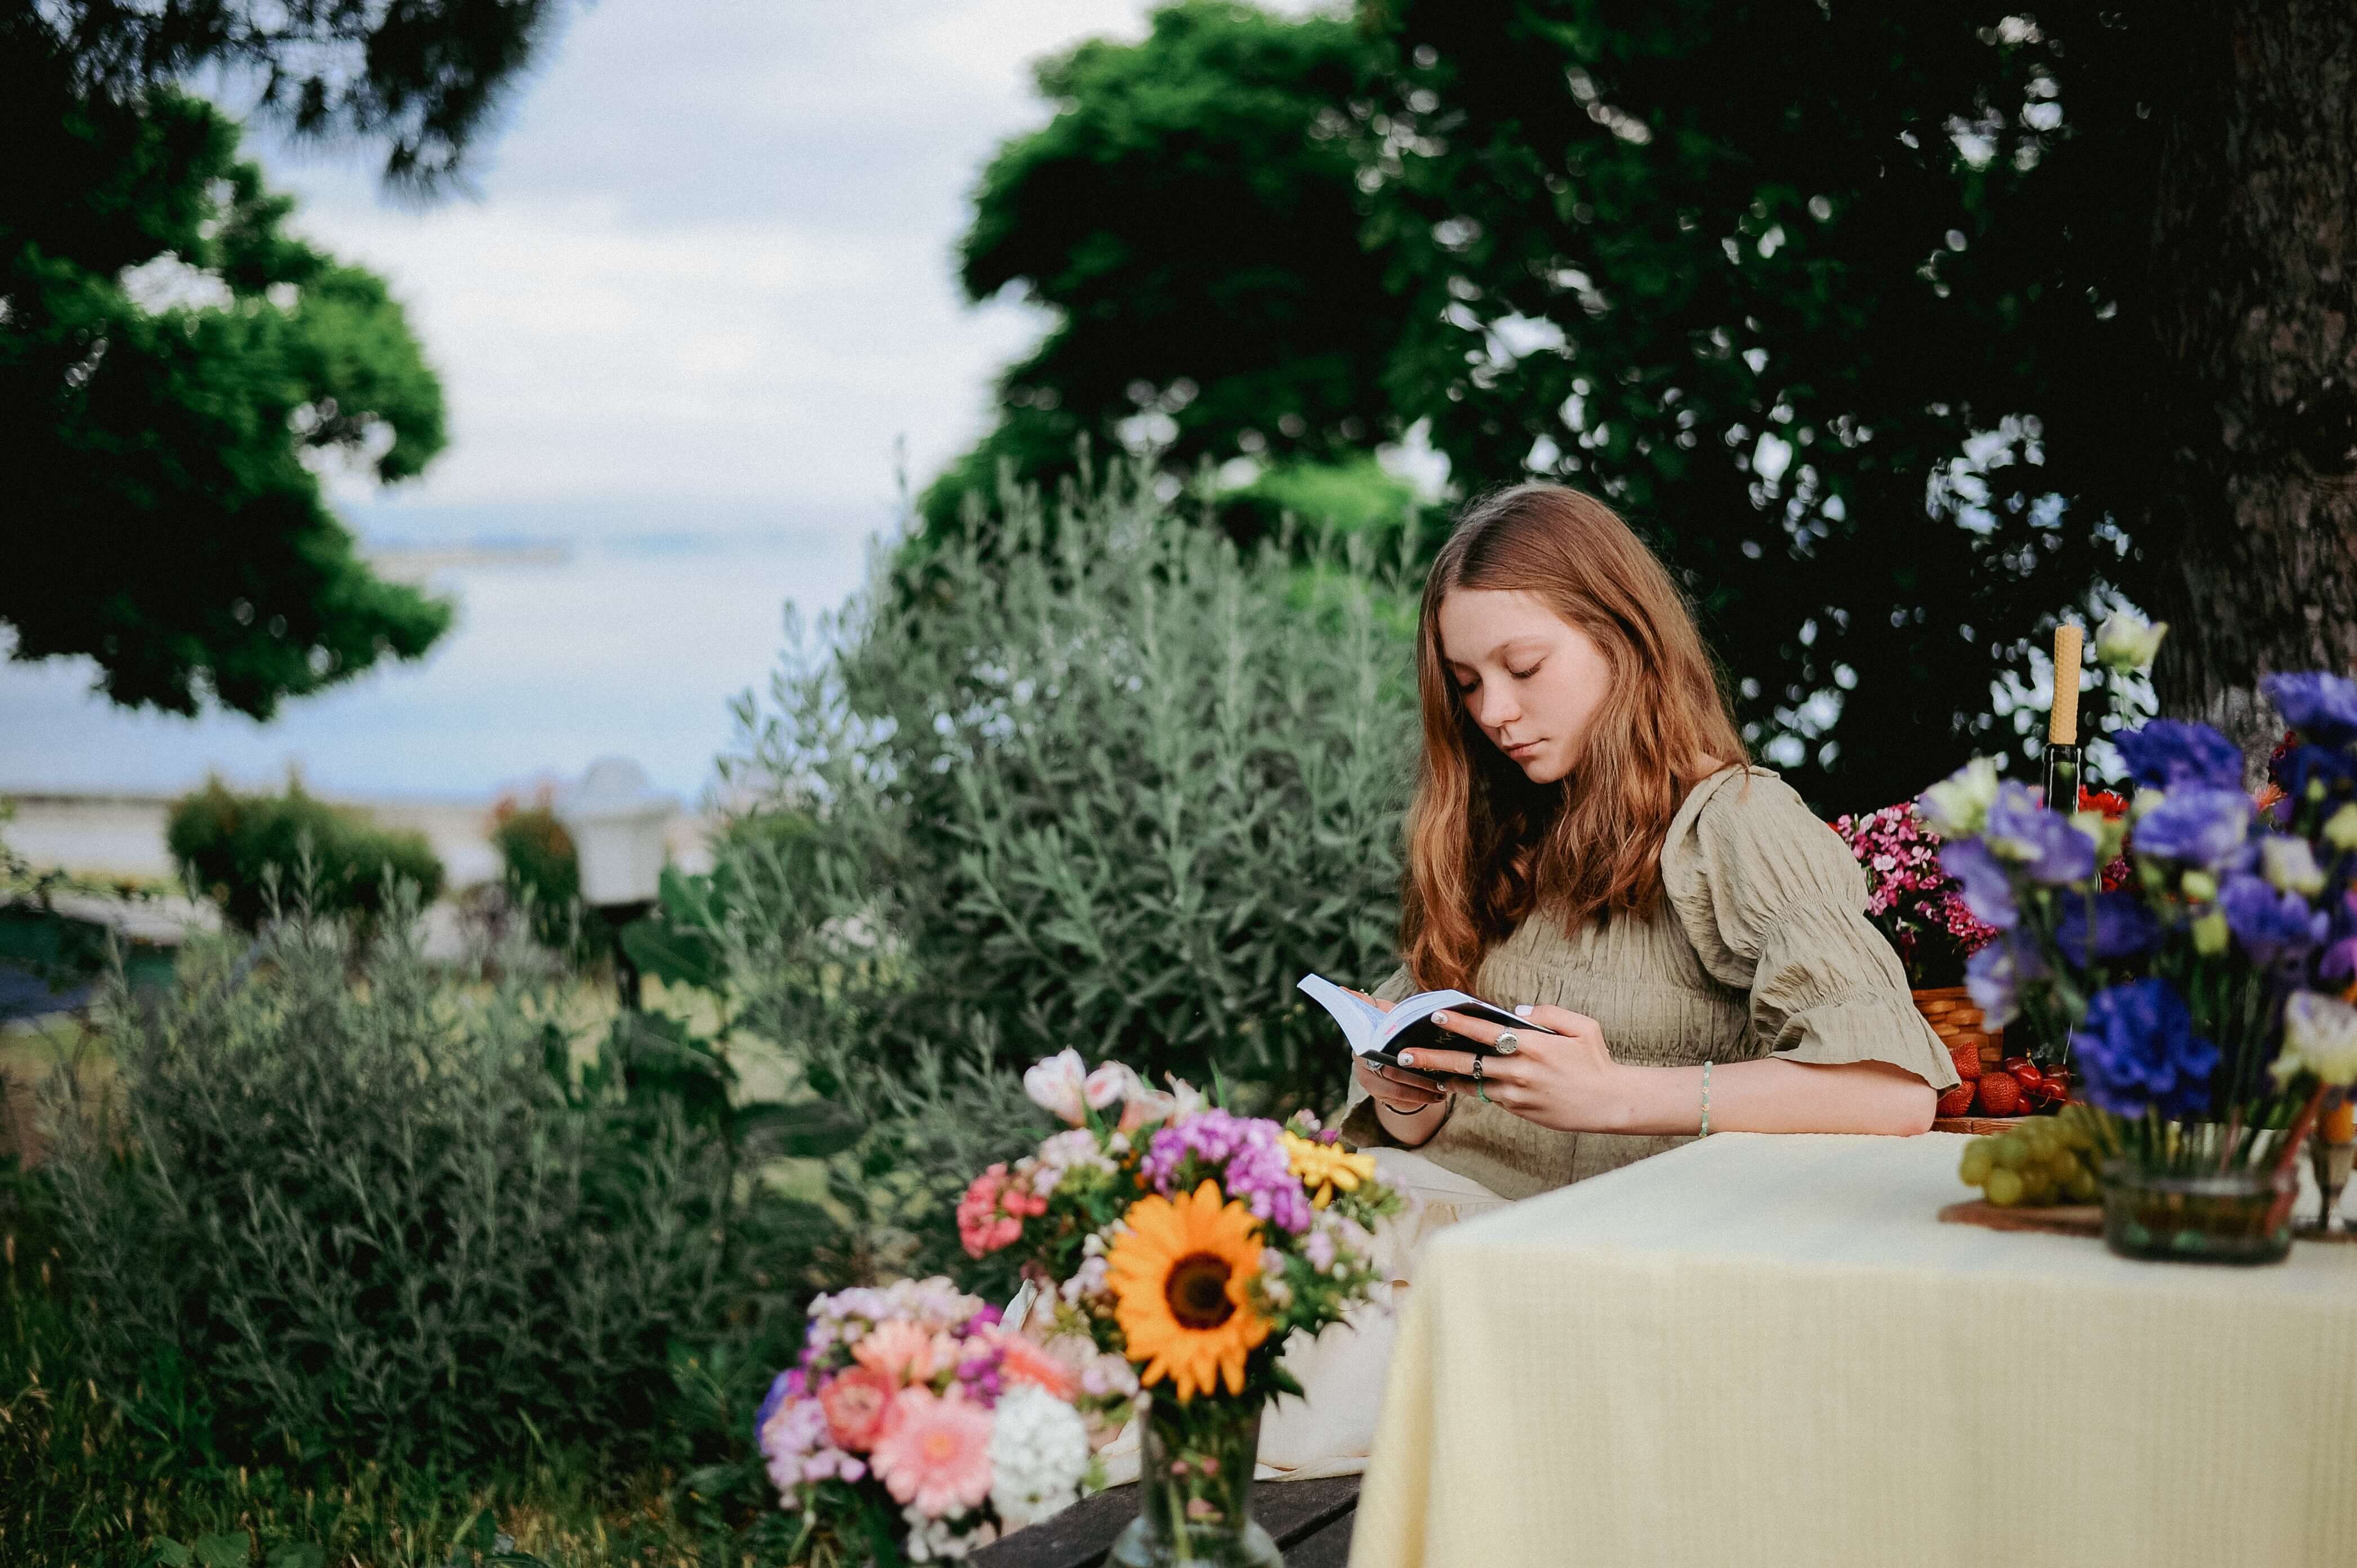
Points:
point(1773, 1096)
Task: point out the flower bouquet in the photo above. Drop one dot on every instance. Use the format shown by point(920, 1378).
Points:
point(1190, 1242)
point(2203, 1003)
point(916, 1426)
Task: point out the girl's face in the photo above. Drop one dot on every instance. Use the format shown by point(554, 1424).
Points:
point(1530, 679)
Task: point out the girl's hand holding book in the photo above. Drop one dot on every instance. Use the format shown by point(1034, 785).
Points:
point(1559, 1075)
point(1402, 1093)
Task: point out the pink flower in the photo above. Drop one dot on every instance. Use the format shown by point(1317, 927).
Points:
point(1022, 1360)
point(1109, 1085)
point(935, 1453)
point(991, 1214)
point(1057, 1084)
point(855, 1403)
point(900, 1350)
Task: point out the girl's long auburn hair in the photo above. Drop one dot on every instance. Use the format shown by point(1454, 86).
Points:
point(1485, 846)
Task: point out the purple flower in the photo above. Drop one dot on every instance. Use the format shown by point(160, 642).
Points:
point(979, 1375)
point(1986, 891)
point(2268, 924)
point(2137, 1051)
point(2321, 705)
point(2046, 844)
point(1247, 1152)
point(1995, 976)
point(2199, 826)
point(2169, 754)
point(2122, 927)
point(787, 1385)
point(2293, 772)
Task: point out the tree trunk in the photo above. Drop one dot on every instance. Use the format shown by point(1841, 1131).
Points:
point(2254, 305)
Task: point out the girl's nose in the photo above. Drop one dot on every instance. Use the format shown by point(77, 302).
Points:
point(1498, 708)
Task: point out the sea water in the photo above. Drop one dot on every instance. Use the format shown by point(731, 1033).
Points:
point(563, 651)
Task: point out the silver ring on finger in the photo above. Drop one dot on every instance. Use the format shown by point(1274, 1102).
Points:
point(1507, 1043)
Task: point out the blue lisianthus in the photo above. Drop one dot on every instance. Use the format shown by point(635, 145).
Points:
point(2136, 1052)
point(2047, 846)
point(1986, 891)
point(2293, 771)
point(2123, 926)
point(2198, 826)
point(2321, 705)
point(1996, 974)
point(2270, 925)
point(2169, 754)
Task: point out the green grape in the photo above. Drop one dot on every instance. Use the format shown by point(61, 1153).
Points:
point(2061, 1165)
point(2037, 1186)
point(2004, 1187)
point(2082, 1185)
point(2011, 1152)
point(1979, 1160)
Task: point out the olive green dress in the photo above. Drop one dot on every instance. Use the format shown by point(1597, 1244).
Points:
point(1762, 948)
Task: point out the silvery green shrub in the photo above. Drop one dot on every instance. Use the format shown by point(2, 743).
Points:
point(1098, 780)
point(338, 1203)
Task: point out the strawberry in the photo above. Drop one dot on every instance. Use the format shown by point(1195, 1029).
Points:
point(1956, 1101)
point(1967, 1057)
point(2000, 1094)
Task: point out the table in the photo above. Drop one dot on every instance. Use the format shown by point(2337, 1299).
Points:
point(1764, 1349)
point(1309, 1521)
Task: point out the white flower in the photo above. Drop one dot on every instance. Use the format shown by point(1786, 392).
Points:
point(1190, 1098)
point(1039, 1446)
point(931, 1540)
point(2126, 643)
point(1957, 806)
point(1057, 1086)
point(2319, 1036)
point(2341, 828)
point(2290, 865)
point(1088, 1280)
point(1109, 1085)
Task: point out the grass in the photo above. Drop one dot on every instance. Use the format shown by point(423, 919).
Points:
point(87, 1485)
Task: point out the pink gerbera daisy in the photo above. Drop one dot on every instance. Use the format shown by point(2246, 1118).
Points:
point(935, 1453)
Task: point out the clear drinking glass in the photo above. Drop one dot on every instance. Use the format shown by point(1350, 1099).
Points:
point(1195, 1489)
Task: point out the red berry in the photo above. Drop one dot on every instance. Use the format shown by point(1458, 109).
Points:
point(1956, 1101)
point(1967, 1057)
point(2000, 1094)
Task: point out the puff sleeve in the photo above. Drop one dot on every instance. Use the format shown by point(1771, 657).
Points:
point(1775, 907)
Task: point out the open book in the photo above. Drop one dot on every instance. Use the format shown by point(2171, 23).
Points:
point(1382, 1035)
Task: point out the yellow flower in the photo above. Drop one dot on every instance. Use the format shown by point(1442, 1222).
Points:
point(1178, 1276)
point(1324, 1167)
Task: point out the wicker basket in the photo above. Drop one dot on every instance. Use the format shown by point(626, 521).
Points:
point(1953, 1017)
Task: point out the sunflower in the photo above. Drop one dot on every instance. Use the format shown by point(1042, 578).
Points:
point(1178, 1276)
point(1324, 1168)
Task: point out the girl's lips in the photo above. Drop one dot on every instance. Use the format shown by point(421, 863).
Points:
point(1521, 748)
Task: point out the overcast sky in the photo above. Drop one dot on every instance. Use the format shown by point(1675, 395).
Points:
point(708, 267)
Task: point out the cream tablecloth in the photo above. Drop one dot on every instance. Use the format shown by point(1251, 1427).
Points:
point(1764, 1349)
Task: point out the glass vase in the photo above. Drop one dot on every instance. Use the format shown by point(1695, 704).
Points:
point(1195, 1489)
point(2228, 1216)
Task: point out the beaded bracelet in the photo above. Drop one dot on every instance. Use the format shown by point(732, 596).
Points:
point(1705, 1101)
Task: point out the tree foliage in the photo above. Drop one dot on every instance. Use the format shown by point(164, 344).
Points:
point(177, 367)
point(426, 78)
point(1851, 308)
point(1189, 215)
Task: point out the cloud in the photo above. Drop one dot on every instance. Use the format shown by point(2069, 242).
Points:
point(711, 256)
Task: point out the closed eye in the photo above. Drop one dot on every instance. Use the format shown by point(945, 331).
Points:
point(1525, 674)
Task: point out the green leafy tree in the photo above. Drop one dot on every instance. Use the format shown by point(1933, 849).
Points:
point(176, 367)
point(1900, 329)
point(1190, 216)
